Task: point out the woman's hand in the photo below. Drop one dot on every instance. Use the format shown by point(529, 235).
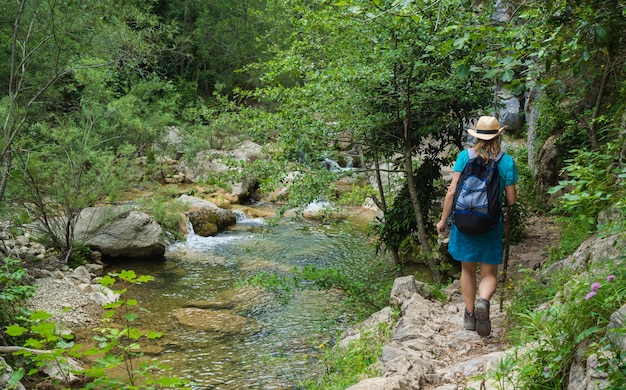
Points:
point(442, 227)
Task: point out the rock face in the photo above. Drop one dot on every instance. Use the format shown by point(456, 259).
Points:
point(547, 169)
point(120, 231)
point(206, 218)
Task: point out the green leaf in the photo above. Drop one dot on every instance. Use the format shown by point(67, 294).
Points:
point(508, 76)
point(154, 335)
point(128, 275)
point(107, 281)
point(588, 332)
point(15, 330)
point(16, 377)
point(462, 70)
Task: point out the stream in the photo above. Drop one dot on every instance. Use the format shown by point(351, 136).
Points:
point(276, 348)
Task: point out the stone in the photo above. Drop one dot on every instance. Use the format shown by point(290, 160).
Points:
point(371, 325)
point(472, 367)
point(388, 383)
point(120, 232)
point(617, 323)
point(207, 218)
point(214, 305)
point(403, 288)
point(81, 275)
point(548, 168)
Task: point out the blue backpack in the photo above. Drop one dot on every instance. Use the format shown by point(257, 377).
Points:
point(477, 198)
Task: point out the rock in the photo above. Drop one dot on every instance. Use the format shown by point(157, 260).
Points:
point(120, 231)
point(206, 218)
point(245, 299)
point(216, 161)
point(62, 370)
point(213, 305)
point(403, 288)
point(617, 322)
point(372, 325)
point(597, 248)
point(54, 295)
point(81, 275)
point(389, 383)
point(472, 367)
point(548, 168)
point(223, 322)
point(509, 115)
point(319, 211)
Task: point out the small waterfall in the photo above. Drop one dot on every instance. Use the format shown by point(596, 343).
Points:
point(243, 219)
point(194, 241)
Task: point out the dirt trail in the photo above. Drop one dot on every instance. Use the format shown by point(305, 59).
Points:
point(541, 234)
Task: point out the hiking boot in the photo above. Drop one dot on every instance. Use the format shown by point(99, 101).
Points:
point(481, 312)
point(469, 321)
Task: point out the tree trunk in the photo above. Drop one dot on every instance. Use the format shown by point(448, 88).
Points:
point(417, 208)
point(591, 131)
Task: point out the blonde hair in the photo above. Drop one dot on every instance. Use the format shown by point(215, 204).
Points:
point(487, 148)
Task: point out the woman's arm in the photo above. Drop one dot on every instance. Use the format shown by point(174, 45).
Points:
point(511, 194)
point(442, 225)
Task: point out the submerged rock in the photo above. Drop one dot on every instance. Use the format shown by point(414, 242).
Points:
point(224, 322)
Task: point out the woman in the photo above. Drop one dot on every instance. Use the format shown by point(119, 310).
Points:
point(486, 249)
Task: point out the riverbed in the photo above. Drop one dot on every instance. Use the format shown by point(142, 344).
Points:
point(281, 336)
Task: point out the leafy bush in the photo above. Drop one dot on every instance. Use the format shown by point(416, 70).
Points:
point(13, 293)
point(553, 329)
point(346, 366)
point(595, 179)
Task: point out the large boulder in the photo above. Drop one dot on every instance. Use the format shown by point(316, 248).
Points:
point(217, 161)
point(206, 218)
point(120, 231)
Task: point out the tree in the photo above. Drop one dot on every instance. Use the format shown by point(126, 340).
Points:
point(63, 133)
point(385, 75)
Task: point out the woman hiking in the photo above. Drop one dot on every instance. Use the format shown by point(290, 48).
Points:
point(485, 249)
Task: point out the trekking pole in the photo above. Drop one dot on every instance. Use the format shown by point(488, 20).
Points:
point(507, 241)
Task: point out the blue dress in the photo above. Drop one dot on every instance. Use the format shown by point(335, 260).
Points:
point(485, 248)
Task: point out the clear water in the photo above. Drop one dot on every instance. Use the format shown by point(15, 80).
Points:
point(282, 350)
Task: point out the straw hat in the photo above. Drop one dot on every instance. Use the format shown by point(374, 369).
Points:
point(487, 127)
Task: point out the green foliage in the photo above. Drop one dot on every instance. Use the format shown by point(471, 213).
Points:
point(570, 312)
point(73, 170)
point(357, 196)
point(529, 199)
point(594, 181)
point(395, 231)
point(13, 292)
point(168, 212)
point(574, 231)
point(344, 367)
point(79, 255)
point(117, 345)
point(363, 296)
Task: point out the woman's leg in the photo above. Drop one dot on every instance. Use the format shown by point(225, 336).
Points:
point(468, 284)
point(486, 289)
point(488, 280)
